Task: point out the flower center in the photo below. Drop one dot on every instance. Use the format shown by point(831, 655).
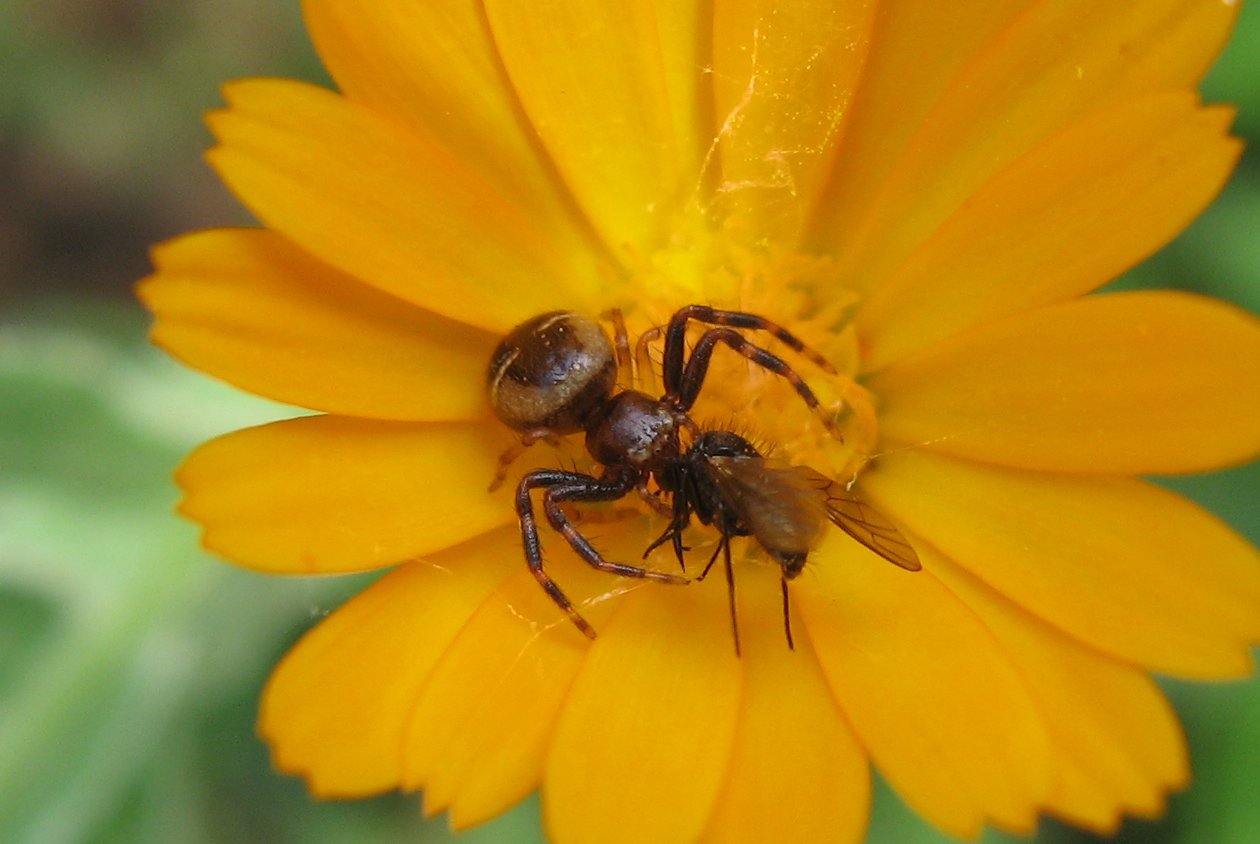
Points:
point(800, 293)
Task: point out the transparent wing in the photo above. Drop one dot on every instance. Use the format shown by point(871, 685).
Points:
point(870, 527)
point(785, 506)
point(782, 505)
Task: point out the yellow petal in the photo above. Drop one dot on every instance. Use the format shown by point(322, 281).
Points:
point(470, 752)
point(335, 707)
point(246, 306)
point(920, 46)
point(478, 734)
point(792, 747)
point(1118, 747)
point(642, 744)
point(592, 79)
point(1123, 565)
point(433, 66)
point(359, 192)
point(683, 27)
point(1055, 64)
point(331, 493)
point(1129, 383)
point(783, 80)
point(932, 697)
point(1069, 216)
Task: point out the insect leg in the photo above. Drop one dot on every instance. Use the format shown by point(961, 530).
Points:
point(787, 618)
point(681, 517)
point(723, 543)
point(730, 588)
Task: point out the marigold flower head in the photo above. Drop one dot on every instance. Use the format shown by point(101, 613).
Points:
point(926, 193)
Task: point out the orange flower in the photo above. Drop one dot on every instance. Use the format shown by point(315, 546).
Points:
point(925, 192)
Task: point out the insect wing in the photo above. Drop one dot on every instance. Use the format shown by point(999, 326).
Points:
point(871, 528)
point(782, 505)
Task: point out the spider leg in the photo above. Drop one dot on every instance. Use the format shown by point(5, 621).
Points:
point(643, 359)
point(533, 545)
point(675, 337)
point(515, 450)
point(587, 488)
point(621, 345)
point(653, 500)
point(697, 367)
point(562, 486)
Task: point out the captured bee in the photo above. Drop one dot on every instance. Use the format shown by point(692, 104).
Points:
point(724, 481)
point(556, 374)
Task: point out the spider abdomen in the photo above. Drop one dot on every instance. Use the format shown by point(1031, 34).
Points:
point(551, 372)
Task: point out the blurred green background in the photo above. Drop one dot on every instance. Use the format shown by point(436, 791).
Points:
point(130, 663)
